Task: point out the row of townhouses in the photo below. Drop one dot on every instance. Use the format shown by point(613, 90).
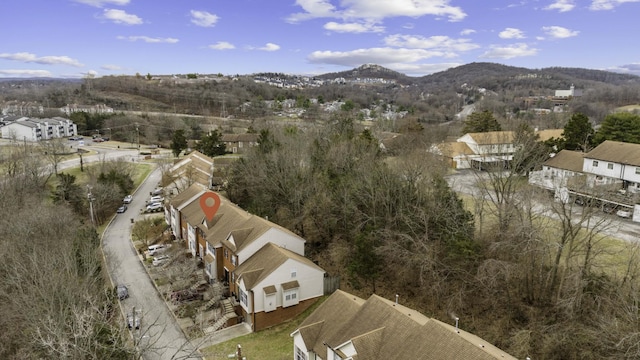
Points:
point(36, 129)
point(263, 264)
point(609, 174)
point(345, 326)
point(480, 150)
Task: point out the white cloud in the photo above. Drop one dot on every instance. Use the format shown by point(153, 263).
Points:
point(511, 33)
point(222, 45)
point(632, 68)
point(313, 9)
point(270, 47)
point(111, 67)
point(467, 32)
point(509, 52)
point(101, 3)
point(561, 5)
point(383, 56)
point(608, 4)
point(407, 61)
point(353, 27)
point(421, 69)
point(440, 43)
point(45, 60)
point(121, 17)
point(148, 39)
point(376, 9)
point(559, 32)
point(24, 73)
point(203, 18)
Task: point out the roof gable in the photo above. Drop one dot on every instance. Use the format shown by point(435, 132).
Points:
point(492, 137)
point(268, 259)
point(616, 152)
point(186, 195)
point(566, 160)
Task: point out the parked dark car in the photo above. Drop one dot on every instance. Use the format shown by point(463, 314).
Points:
point(122, 291)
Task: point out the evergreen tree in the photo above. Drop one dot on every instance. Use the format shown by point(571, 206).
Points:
point(211, 144)
point(481, 122)
point(578, 133)
point(178, 142)
point(621, 126)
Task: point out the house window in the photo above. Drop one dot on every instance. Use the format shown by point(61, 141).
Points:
point(300, 355)
point(610, 166)
point(294, 273)
point(226, 254)
point(233, 260)
point(243, 297)
point(595, 163)
point(638, 171)
point(290, 298)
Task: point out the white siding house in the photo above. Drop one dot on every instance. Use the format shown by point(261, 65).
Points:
point(275, 279)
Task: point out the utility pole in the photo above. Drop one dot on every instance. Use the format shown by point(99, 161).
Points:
point(138, 138)
point(91, 198)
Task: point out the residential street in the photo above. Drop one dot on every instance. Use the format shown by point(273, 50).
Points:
point(159, 337)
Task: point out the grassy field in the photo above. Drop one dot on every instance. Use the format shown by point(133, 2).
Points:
point(629, 108)
point(273, 344)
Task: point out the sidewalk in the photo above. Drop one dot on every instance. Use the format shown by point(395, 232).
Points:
point(221, 336)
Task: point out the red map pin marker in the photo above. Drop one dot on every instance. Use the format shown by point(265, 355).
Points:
point(210, 203)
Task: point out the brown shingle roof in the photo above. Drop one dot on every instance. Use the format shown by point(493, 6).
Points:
point(193, 213)
point(379, 329)
point(187, 194)
point(453, 149)
point(265, 261)
point(329, 316)
point(232, 220)
point(196, 166)
point(616, 152)
point(544, 135)
point(566, 160)
point(493, 137)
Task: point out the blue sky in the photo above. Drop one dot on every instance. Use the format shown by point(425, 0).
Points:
point(76, 38)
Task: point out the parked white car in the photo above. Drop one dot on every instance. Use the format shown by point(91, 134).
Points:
point(154, 207)
point(159, 260)
point(624, 213)
point(157, 249)
point(155, 199)
point(127, 199)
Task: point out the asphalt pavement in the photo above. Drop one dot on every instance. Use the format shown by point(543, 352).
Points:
point(159, 337)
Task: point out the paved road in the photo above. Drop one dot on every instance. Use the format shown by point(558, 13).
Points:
point(160, 337)
point(464, 182)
